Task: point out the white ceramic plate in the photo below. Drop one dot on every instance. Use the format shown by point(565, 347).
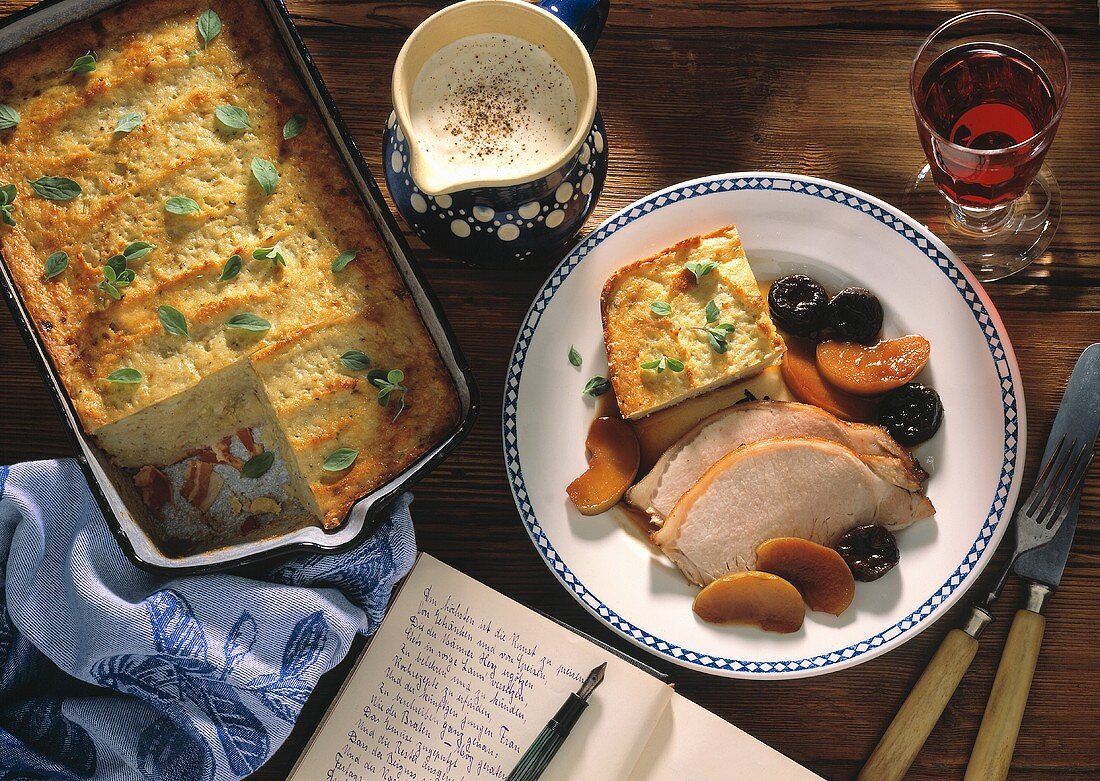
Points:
point(839, 236)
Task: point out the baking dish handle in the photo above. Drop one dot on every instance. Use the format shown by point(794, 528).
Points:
point(584, 17)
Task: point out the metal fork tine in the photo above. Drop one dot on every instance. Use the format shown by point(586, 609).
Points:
point(1067, 498)
point(1043, 487)
point(1061, 482)
point(1044, 472)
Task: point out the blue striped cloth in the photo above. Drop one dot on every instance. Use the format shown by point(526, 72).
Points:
point(111, 673)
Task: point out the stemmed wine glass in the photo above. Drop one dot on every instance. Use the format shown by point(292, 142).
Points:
point(988, 89)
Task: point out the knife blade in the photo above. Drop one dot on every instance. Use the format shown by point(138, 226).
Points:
point(1078, 417)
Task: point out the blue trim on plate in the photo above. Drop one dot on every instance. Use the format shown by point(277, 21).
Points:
point(838, 195)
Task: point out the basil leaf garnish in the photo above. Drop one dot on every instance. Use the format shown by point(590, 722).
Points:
point(210, 26)
point(9, 117)
point(85, 63)
point(55, 188)
point(246, 321)
point(355, 360)
point(8, 194)
point(117, 264)
point(172, 320)
point(574, 356)
point(597, 386)
point(181, 205)
point(712, 312)
point(274, 254)
point(129, 121)
point(701, 269)
point(233, 117)
point(265, 174)
point(342, 260)
point(137, 249)
point(125, 376)
point(339, 460)
point(661, 308)
point(55, 264)
point(258, 465)
point(231, 268)
point(294, 126)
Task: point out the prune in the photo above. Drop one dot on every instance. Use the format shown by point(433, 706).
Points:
point(870, 551)
point(799, 305)
point(911, 414)
point(856, 314)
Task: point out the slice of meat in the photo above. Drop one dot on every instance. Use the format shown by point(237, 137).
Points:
point(156, 488)
point(686, 461)
point(201, 484)
point(795, 487)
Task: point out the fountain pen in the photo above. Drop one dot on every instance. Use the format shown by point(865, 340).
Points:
point(553, 735)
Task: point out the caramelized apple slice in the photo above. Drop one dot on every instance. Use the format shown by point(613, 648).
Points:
point(613, 461)
point(805, 382)
point(874, 370)
point(758, 598)
point(819, 573)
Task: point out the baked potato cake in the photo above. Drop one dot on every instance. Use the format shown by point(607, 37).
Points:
point(684, 321)
point(181, 225)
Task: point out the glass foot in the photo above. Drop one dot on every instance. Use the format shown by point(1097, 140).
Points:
point(992, 244)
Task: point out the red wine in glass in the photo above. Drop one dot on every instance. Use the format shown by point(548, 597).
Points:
point(989, 101)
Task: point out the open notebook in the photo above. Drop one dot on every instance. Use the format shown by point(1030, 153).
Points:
point(460, 679)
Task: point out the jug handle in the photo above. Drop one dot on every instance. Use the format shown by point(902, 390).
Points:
point(584, 17)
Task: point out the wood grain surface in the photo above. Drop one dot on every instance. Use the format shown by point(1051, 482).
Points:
point(706, 86)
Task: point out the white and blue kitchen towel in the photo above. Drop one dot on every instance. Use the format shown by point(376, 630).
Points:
point(110, 673)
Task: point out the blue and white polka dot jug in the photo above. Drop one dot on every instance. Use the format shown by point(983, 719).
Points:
point(499, 222)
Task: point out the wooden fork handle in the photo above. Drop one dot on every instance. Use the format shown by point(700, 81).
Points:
point(922, 709)
point(1005, 710)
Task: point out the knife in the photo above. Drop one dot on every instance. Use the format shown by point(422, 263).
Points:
point(1042, 570)
point(1079, 414)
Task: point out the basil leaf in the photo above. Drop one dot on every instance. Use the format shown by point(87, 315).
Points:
point(233, 117)
point(231, 268)
point(85, 63)
point(8, 194)
point(172, 320)
point(109, 274)
point(210, 26)
point(9, 117)
point(574, 356)
point(701, 269)
point(125, 376)
point(129, 121)
point(265, 174)
point(55, 188)
point(661, 308)
point(274, 254)
point(652, 365)
point(55, 264)
point(355, 360)
point(675, 365)
point(137, 249)
point(116, 264)
point(395, 376)
point(110, 289)
point(342, 260)
point(339, 460)
point(258, 465)
point(294, 126)
point(597, 386)
point(181, 205)
point(246, 321)
point(125, 278)
point(712, 312)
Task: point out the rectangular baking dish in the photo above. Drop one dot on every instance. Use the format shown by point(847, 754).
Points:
point(112, 491)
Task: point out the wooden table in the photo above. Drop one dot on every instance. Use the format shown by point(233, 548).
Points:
point(692, 88)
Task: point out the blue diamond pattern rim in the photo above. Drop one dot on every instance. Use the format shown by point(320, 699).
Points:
point(1011, 398)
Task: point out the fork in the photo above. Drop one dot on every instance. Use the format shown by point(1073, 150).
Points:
point(1037, 520)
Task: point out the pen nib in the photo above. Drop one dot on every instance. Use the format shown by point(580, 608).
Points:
point(594, 679)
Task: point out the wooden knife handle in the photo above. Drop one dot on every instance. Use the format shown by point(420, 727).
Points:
point(1005, 710)
point(921, 710)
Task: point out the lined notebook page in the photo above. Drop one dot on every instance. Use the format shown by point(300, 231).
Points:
point(690, 742)
point(459, 681)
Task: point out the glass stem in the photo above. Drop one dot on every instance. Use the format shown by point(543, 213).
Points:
point(981, 221)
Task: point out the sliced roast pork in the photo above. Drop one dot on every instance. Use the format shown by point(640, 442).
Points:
point(725, 431)
point(794, 487)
